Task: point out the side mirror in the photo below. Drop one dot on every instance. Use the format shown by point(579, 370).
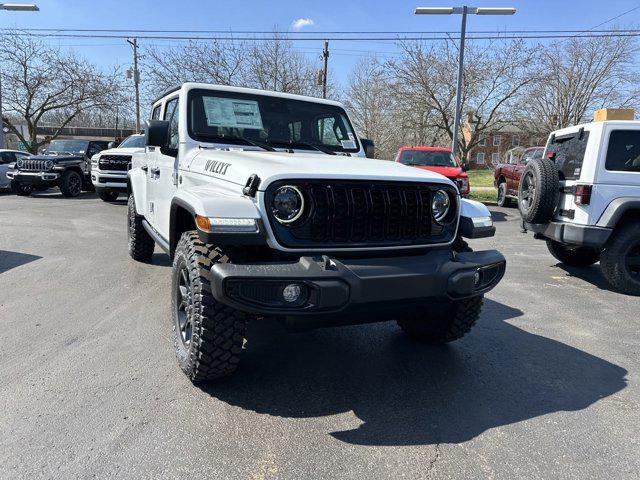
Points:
point(111, 145)
point(157, 134)
point(369, 147)
point(465, 167)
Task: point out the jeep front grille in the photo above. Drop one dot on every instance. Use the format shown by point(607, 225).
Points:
point(114, 162)
point(364, 213)
point(28, 165)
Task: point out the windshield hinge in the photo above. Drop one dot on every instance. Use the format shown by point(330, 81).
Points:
point(251, 187)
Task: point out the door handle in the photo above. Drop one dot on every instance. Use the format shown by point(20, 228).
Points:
point(144, 168)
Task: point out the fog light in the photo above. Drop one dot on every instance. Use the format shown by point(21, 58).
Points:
point(291, 293)
point(477, 278)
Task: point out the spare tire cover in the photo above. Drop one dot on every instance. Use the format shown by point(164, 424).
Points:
point(539, 191)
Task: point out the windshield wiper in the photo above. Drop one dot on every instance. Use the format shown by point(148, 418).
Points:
point(232, 138)
point(303, 144)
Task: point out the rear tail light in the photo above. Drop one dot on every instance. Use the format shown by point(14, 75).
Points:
point(583, 194)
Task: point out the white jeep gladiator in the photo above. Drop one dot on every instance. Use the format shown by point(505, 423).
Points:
point(268, 208)
point(583, 198)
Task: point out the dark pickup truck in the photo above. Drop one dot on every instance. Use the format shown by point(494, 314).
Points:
point(65, 164)
point(507, 175)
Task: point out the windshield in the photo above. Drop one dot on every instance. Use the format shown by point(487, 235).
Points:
point(134, 141)
point(67, 146)
point(428, 158)
point(231, 117)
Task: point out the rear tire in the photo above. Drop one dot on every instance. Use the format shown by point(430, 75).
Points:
point(107, 195)
point(573, 256)
point(620, 260)
point(141, 245)
point(208, 336)
point(71, 184)
point(446, 323)
point(539, 191)
point(503, 200)
point(21, 189)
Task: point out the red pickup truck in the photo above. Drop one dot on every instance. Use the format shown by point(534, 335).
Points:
point(507, 175)
point(436, 159)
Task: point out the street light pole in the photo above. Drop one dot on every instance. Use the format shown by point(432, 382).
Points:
point(464, 11)
point(28, 7)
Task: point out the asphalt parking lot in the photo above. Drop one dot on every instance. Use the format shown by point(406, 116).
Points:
point(546, 386)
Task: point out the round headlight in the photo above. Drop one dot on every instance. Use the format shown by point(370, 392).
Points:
point(20, 163)
point(440, 205)
point(48, 164)
point(288, 204)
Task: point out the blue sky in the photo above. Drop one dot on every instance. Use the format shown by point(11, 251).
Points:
point(343, 15)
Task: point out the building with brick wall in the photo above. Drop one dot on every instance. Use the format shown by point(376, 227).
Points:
point(495, 144)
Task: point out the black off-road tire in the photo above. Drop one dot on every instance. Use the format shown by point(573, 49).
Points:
point(107, 195)
point(71, 184)
point(21, 189)
point(141, 245)
point(217, 332)
point(573, 256)
point(615, 260)
point(538, 191)
point(502, 200)
point(445, 323)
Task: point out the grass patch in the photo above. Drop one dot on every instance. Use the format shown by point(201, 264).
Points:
point(485, 196)
point(480, 178)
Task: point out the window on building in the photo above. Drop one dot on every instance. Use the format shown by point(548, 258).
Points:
point(483, 141)
point(480, 158)
point(515, 141)
point(495, 158)
point(496, 140)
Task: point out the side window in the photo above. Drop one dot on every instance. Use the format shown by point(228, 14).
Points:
point(5, 157)
point(568, 154)
point(330, 131)
point(94, 148)
point(623, 152)
point(155, 115)
point(171, 115)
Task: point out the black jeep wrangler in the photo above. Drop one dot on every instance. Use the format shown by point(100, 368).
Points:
point(65, 164)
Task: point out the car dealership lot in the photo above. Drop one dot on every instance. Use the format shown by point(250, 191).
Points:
point(546, 386)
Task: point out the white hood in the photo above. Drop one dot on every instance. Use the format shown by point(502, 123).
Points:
point(237, 166)
point(121, 151)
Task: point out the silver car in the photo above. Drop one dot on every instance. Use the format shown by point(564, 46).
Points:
point(7, 157)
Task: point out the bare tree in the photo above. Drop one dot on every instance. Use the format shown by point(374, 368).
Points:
point(212, 62)
point(40, 82)
point(574, 77)
point(372, 108)
point(494, 76)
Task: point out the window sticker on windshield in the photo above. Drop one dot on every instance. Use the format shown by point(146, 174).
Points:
point(232, 113)
point(348, 143)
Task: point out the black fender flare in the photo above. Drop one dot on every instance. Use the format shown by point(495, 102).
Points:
point(616, 210)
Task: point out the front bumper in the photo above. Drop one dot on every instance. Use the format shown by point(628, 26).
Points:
point(109, 180)
point(34, 178)
point(571, 234)
point(337, 291)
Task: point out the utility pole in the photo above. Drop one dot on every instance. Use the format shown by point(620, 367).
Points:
point(136, 80)
point(325, 55)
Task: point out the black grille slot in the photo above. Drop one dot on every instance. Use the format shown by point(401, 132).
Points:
point(114, 162)
point(361, 213)
point(28, 165)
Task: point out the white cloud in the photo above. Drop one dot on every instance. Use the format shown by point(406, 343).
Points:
point(300, 23)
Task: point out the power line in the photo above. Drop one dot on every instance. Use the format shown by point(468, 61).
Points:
point(593, 29)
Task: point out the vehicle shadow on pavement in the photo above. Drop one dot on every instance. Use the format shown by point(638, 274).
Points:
point(591, 274)
point(497, 216)
point(9, 260)
point(410, 394)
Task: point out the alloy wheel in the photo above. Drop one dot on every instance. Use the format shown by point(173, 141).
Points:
point(184, 307)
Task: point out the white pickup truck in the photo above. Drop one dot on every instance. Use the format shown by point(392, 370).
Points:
point(268, 208)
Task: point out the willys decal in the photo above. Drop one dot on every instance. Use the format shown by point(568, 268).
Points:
point(214, 166)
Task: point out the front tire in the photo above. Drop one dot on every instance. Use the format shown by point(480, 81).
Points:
point(107, 195)
point(573, 256)
point(620, 260)
point(207, 335)
point(141, 245)
point(503, 200)
point(21, 189)
point(71, 184)
point(445, 322)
